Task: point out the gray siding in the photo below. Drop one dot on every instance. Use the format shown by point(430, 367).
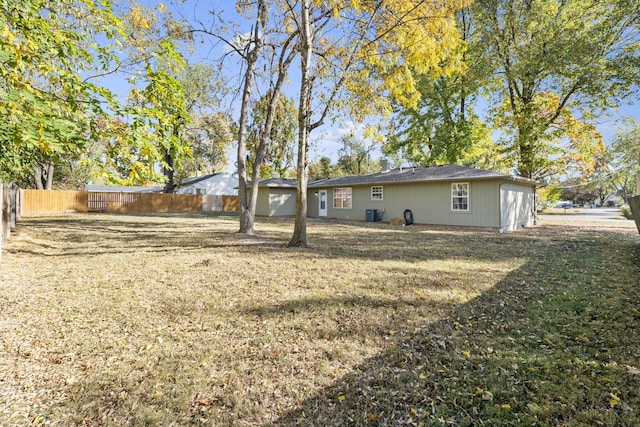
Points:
point(493, 203)
point(313, 207)
point(262, 204)
point(276, 201)
point(282, 201)
point(517, 208)
point(429, 202)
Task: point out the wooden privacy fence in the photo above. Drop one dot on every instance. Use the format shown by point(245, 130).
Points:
point(59, 201)
point(53, 201)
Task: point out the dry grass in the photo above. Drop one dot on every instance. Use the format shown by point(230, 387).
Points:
point(159, 320)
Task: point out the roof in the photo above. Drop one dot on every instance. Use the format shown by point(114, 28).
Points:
point(197, 179)
point(123, 189)
point(418, 174)
point(277, 182)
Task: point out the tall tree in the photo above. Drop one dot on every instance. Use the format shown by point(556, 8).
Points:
point(366, 50)
point(279, 154)
point(624, 162)
point(444, 127)
point(265, 52)
point(354, 156)
point(49, 106)
point(209, 134)
point(250, 54)
point(560, 63)
point(156, 113)
point(322, 168)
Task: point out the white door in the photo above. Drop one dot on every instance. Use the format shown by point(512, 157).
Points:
point(322, 203)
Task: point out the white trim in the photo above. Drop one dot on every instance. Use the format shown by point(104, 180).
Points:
point(460, 198)
point(323, 194)
point(343, 197)
point(380, 193)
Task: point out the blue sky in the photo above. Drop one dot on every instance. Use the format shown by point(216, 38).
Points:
point(326, 139)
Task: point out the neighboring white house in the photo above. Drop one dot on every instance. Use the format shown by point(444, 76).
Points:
point(214, 188)
point(219, 191)
point(610, 200)
point(217, 184)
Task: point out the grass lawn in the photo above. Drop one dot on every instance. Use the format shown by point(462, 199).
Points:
point(177, 320)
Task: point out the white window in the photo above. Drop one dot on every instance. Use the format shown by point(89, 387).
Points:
point(342, 198)
point(376, 192)
point(460, 196)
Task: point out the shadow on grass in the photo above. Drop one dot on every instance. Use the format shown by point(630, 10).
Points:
point(104, 234)
point(555, 342)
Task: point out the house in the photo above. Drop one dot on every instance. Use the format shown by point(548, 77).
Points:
point(276, 197)
point(219, 191)
point(437, 195)
point(611, 200)
point(217, 184)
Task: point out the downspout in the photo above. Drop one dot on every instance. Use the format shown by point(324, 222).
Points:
point(535, 205)
point(500, 208)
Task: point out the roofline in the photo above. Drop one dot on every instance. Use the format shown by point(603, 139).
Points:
point(197, 179)
point(277, 186)
point(456, 179)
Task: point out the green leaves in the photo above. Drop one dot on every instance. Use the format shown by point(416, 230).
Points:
point(576, 53)
point(46, 49)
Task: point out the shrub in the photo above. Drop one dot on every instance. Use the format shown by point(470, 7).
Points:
point(626, 211)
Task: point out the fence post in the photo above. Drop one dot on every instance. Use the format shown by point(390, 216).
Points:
point(6, 213)
point(634, 204)
point(1, 221)
point(19, 202)
point(13, 201)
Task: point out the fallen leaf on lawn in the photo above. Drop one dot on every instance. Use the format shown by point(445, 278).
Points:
point(487, 396)
point(204, 402)
point(614, 400)
point(633, 370)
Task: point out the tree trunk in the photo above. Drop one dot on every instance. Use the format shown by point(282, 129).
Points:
point(37, 177)
point(299, 237)
point(638, 181)
point(49, 176)
point(169, 172)
point(1, 221)
point(43, 175)
point(13, 201)
point(6, 213)
point(247, 208)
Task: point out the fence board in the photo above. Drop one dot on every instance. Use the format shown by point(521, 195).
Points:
point(6, 211)
point(230, 204)
point(60, 201)
point(53, 201)
point(1, 216)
